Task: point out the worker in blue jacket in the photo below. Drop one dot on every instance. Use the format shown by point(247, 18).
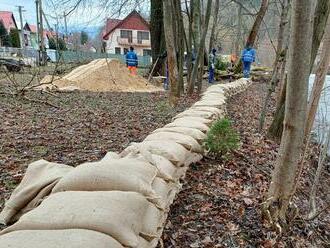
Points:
point(248, 57)
point(131, 61)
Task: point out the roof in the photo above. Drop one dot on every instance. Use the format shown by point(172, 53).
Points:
point(133, 21)
point(8, 19)
point(32, 28)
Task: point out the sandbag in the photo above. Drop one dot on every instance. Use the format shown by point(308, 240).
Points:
point(192, 132)
point(182, 122)
point(162, 164)
point(39, 179)
point(122, 215)
point(217, 111)
point(211, 103)
point(110, 156)
point(196, 113)
point(188, 142)
point(111, 175)
point(70, 238)
point(171, 150)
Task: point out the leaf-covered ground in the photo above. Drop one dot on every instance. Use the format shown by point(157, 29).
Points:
point(220, 202)
point(83, 128)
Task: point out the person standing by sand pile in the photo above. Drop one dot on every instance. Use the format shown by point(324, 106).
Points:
point(131, 61)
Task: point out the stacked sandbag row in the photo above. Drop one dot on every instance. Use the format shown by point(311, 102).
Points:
point(122, 200)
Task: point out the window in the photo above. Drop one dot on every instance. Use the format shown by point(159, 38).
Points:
point(126, 34)
point(142, 35)
point(125, 50)
point(146, 52)
point(117, 50)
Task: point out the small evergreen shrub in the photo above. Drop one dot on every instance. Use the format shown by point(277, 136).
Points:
point(220, 64)
point(221, 138)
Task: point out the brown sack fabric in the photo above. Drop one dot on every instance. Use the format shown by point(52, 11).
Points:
point(171, 150)
point(122, 215)
point(70, 238)
point(182, 122)
point(188, 142)
point(192, 132)
point(37, 183)
point(110, 175)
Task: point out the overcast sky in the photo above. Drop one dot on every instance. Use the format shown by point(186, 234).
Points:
point(89, 19)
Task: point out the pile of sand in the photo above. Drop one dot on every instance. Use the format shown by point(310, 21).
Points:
point(100, 75)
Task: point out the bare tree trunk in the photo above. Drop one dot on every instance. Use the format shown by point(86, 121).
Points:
point(238, 31)
point(180, 34)
point(282, 184)
point(280, 56)
point(201, 47)
point(322, 11)
point(168, 8)
point(319, 82)
point(190, 38)
point(320, 165)
point(321, 15)
point(157, 34)
point(215, 23)
point(254, 31)
point(196, 26)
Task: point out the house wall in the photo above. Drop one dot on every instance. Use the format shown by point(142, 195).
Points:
point(114, 37)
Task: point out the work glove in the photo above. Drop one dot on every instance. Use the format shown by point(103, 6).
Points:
point(212, 66)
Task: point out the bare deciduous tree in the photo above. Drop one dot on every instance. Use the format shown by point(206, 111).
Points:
point(283, 179)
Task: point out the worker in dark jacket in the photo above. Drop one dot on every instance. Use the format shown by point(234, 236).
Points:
point(131, 61)
point(248, 57)
point(212, 58)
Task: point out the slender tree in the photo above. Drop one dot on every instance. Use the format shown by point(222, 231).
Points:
point(282, 184)
point(321, 15)
point(201, 47)
point(168, 7)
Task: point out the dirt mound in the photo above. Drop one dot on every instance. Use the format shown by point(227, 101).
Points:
point(101, 75)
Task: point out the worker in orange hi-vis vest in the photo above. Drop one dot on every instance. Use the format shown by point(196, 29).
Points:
point(131, 61)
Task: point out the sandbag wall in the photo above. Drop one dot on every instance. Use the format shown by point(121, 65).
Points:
point(119, 201)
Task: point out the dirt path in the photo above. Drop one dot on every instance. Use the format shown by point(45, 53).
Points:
point(219, 205)
point(84, 128)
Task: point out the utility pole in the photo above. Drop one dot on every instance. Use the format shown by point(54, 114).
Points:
point(38, 26)
point(41, 33)
point(65, 25)
point(20, 9)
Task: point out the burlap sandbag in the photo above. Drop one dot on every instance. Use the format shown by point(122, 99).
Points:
point(171, 150)
point(192, 132)
point(187, 141)
point(39, 179)
point(166, 190)
point(111, 175)
point(161, 163)
point(196, 113)
point(215, 110)
point(110, 156)
point(122, 215)
point(182, 122)
point(70, 238)
point(210, 103)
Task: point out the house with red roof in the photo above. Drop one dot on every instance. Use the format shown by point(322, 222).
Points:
point(120, 35)
point(8, 20)
point(30, 36)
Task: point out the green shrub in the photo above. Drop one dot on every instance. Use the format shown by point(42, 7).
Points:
point(221, 138)
point(220, 65)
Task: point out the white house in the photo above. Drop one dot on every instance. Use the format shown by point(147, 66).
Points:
point(119, 35)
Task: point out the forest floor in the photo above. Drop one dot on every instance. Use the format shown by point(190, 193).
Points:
point(220, 202)
point(83, 128)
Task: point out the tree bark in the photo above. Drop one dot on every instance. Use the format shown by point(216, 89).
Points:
point(283, 178)
point(238, 31)
point(215, 22)
point(157, 34)
point(280, 57)
point(168, 7)
point(320, 20)
point(320, 76)
point(322, 11)
point(201, 47)
point(254, 31)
